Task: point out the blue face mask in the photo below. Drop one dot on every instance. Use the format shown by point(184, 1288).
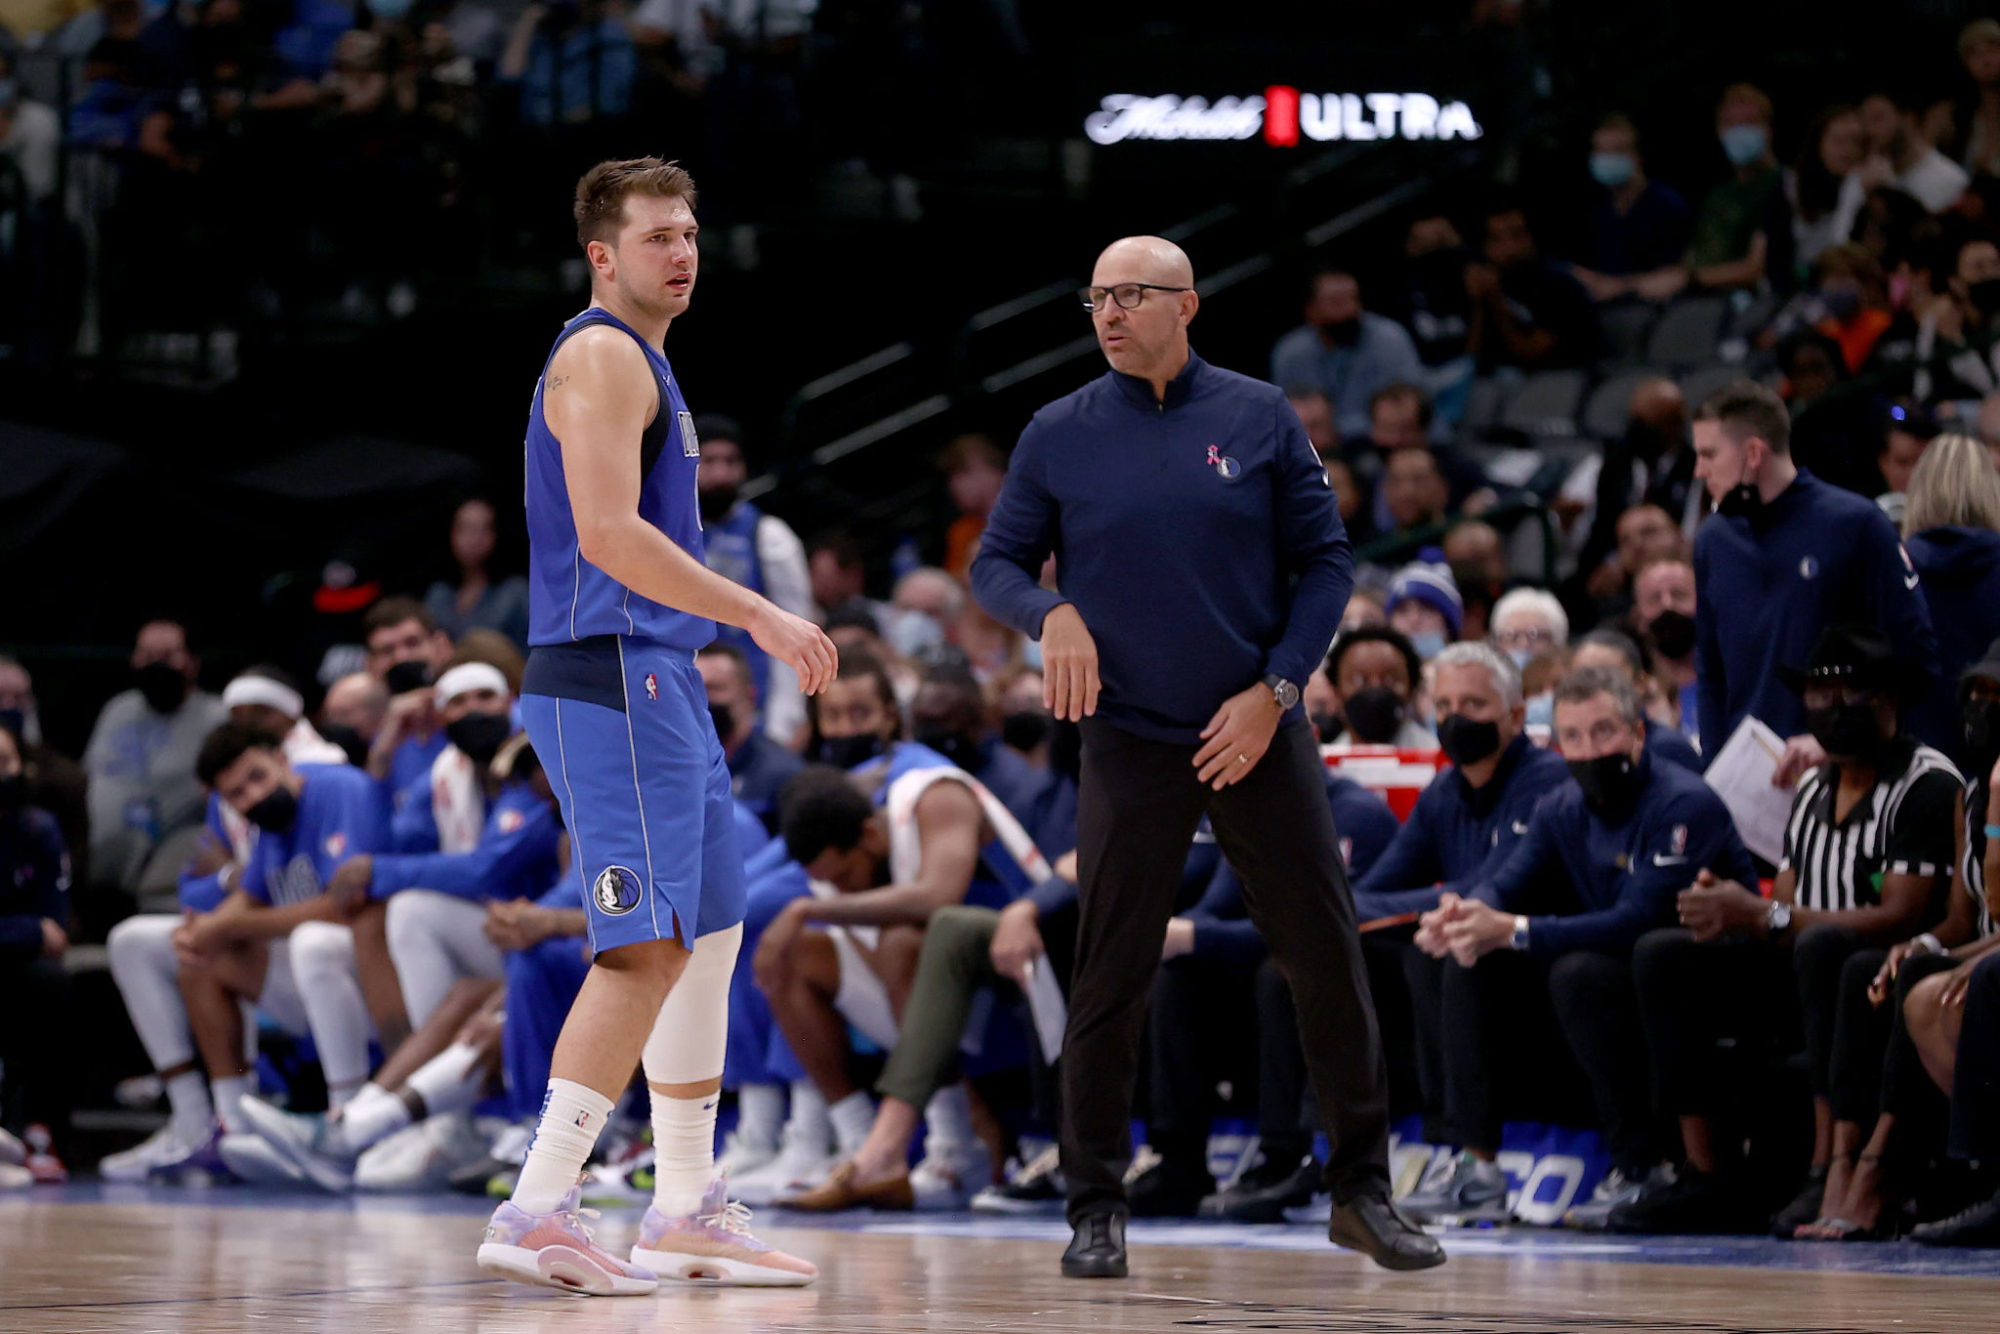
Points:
point(1428, 644)
point(1522, 657)
point(1542, 711)
point(389, 10)
point(1612, 170)
point(1744, 144)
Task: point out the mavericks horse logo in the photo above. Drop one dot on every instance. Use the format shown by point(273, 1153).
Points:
point(1225, 467)
point(616, 891)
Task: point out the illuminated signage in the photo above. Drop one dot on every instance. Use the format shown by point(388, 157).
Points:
point(1283, 115)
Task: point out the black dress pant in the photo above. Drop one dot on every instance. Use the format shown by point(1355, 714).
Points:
point(35, 1045)
point(1203, 1011)
point(1138, 805)
point(1819, 960)
point(1975, 1086)
point(1715, 1016)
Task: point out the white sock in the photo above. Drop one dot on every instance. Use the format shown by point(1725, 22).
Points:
point(852, 1118)
point(372, 1115)
point(194, 1113)
point(229, 1094)
point(450, 1081)
point(572, 1117)
point(948, 1118)
point(683, 1151)
point(760, 1115)
point(808, 1121)
point(330, 991)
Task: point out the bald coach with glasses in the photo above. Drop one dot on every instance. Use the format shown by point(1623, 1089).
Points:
point(1203, 572)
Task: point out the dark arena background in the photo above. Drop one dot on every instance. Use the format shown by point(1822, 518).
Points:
point(277, 278)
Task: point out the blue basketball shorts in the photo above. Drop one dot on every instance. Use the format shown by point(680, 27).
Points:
point(623, 731)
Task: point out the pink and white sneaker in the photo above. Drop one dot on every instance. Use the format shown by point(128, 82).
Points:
point(556, 1250)
point(713, 1245)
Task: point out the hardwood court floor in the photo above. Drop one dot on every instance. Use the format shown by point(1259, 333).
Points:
point(180, 1262)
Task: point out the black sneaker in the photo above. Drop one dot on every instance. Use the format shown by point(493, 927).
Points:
point(1037, 1188)
point(1163, 1190)
point(1690, 1202)
point(1805, 1207)
point(1262, 1194)
point(1976, 1225)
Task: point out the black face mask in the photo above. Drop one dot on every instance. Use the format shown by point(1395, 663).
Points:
point(1608, 782)
point(1985, 295)
point(1672, 633)
point(1464, 741)
point(349, 740)
point(1982, 734)
point(13, 792)
point(1326, 726)
point(1649, 442)
point(404, 677)
point(480, 735)
point(725, 720)
point(1025, 730)
point(847, 752)
point(961, 750)
point(164, 687)
point(13, 720)
point(1375, 715)
point(716, 502)
point(1741, 502)
point(276, 812)
point(1343, 333)
point(1848, 731)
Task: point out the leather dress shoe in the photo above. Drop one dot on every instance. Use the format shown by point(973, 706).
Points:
point(841, 1190)
point(1373, 1225)
point(1098, 1248)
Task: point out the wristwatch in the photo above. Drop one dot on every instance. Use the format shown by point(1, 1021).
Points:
point(1778, 916)
point(1282, 690)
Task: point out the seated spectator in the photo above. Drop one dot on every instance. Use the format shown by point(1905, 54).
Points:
point(1951, 531)
point(1316, 415)
point(1848, 302)
point(36, 1041)
point(1663, 614)
point(1366, 606)
point(1424, 606)
point(1867, 854)
point(476, 602)
point(927, 604)
point(574, 62)
point(1645, 535)
point(758, 766)
point(1958, 328)
point(1413, 494)
point(141, 755)
point(406, 652)
point(1025, 721)
point(1478, 560)
point(1400, 418)
point(1905, 436)
point(1344, 352)
point(1900, 155)
point(1743, 230)
point(1654, 451)
point(760, 552)
point(1637, 226)
point(1975, 137)
point(1354, 499)
point(30, 136)
point(56, 783)
point(856, 626)
point(1600, 865)
point(1832, 148)
point(1526, 622)
point(352, 712)
point(1435, 307)
point(1375, 674)
point(974, 468)
point(1527, 313)
point(1836, 430)
point(1617, 652)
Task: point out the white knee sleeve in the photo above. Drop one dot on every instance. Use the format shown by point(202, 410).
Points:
point(322, 956)
point(691, 1033)
point(148, 976)
point(435, 940)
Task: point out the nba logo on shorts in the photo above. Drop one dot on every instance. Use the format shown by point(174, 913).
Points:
point(652, 686)
point(615, 891)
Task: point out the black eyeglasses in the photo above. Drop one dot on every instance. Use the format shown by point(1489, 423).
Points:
point(1127, 295)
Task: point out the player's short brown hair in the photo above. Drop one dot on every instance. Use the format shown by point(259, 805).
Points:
point(1744, 409)
point(601, 194)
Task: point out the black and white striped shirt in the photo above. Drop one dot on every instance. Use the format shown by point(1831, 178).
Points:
point(1972, 864)
point(1902, 827)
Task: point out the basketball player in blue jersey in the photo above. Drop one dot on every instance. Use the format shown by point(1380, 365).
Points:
point(619, 603)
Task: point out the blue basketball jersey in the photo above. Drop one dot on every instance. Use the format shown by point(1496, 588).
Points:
point(569, 599)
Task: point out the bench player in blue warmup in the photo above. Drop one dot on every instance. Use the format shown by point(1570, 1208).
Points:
point(619, 604)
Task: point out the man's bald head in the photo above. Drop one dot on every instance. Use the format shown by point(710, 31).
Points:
point(1143, 259)
point(1146, 338)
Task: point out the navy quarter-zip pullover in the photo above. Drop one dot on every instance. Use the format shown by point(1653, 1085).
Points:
point(1458, 833)
point(1196, 536)
point(1766, 588)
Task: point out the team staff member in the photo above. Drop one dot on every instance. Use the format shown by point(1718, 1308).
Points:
point(1786, 556)
point(1603, 859)
point(1203, 572)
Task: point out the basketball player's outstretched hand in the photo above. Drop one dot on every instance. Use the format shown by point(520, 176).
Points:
point(800, 645)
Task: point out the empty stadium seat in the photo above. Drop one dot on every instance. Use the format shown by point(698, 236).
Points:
point(1687, 332)
point(1546, 404)
point(1604, 411)
point(1699, 384)
point(1622, 329)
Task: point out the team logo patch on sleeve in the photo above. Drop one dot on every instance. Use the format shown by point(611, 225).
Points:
point(336, 845)
point(511, 820)
point(1677, 842)
point(615, 891)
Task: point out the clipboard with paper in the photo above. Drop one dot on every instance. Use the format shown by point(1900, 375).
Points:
point(1741, 775)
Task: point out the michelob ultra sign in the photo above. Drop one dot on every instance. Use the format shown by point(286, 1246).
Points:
point(1282, 115)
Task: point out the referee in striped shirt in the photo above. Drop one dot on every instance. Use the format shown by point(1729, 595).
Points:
point(1867, 858)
